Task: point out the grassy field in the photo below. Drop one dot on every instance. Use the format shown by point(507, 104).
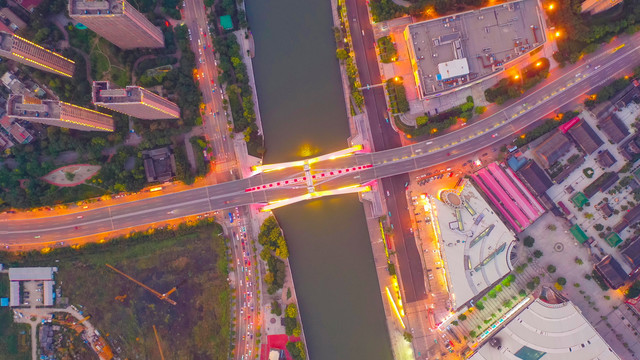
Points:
point(191, 257)
point(15, 339)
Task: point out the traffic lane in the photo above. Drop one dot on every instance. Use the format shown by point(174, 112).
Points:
point(408, 277)
point(35, 224)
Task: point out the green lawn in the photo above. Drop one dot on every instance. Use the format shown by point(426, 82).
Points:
point(198, 327)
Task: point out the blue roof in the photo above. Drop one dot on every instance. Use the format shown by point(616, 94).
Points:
point(4, 301)
point(515, 163)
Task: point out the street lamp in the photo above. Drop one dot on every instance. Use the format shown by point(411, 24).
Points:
point(557, 34)
point(551, 6)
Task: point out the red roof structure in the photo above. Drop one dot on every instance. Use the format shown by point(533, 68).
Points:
point(568, 125)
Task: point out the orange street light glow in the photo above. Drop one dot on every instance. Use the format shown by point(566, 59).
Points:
point(557, 34)
point(539, 63)
point(551, 6)
point(516, 77)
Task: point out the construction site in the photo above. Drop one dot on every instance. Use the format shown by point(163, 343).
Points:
point(149, 296)
point(450, 52)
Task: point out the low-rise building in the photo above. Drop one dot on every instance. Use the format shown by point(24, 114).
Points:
point(631, 254)
point(533, 175)
point(11, 82)
point(584, 137)
point(552, 149)
point(606, 159)
point(17, 132)
point(611, 272)
point(613, 128)
point(159, 164)
point(549, 327)
point(28, 274)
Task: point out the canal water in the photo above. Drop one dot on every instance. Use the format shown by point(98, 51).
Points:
point(303, 114)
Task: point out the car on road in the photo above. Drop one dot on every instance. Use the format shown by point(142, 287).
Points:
point(37, 237)
point(80, 217)
point(494, 135)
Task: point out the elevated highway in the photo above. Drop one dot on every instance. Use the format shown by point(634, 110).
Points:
point(503, 125)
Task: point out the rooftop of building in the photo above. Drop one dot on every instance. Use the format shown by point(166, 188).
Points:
point(159, 164)
point(552, 148)
point(99, 7)
point(480, 41)
point(6, 41)
point(508, 195)
point(611, 272)
point(476, 245)
point(30, 107)
point(585, 137)
point(549, 328)
point(31, 273)
point(535, 177)
point(613, 128)
point(106, 92)
point(606, 159)
point(631, 253)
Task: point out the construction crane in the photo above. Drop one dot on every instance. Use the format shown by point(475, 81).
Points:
point(157, 294)
point(158, 341)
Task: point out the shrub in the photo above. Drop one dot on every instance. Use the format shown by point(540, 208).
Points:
point(551, 269)
point(522, 293)
point(537, 254)
point(528, 241)
point(562, 281)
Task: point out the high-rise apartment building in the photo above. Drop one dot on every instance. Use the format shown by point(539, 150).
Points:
point(117, 21)
point(58, 113)
point(24, 51)
point(133, 100)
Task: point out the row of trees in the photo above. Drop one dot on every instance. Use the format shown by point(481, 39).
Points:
point(581, 34)
point(382, 10)
point(343, 53)
point(513, 87)
point(547, 126)
point(236, 77)
point(608, 91)
point(274, 248)
point(397, 95)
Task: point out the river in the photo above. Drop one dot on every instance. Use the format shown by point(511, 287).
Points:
point(303, 114)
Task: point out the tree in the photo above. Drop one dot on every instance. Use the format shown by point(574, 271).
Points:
point(291, 311)
point(462, 317)
point(408, 336)
point(276, 309)
point(551, 269)
point(522, 293)
point(479, 305)
point(579, 261)
point(480, 109)
point(531, 285)
point(528, 241)
point(268, 278)
point(562, 281)
point(296, 350)
point(537, 254)
point(342, 54)
point(598, 227)
point(69, 175)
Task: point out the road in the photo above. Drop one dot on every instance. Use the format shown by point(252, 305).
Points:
point(214, 116)
point(387, 163)
point(226, 168)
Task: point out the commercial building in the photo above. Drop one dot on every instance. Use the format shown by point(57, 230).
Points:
point(509, 195)
point(450, 52)
point(58, 113)
point(159, 164)
point(24, 51)
point(631, 254)
point(606, 159)
point(474, 243)
point(42, 275)
point(117, 21)
point(133, 100)
point(549, 327)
